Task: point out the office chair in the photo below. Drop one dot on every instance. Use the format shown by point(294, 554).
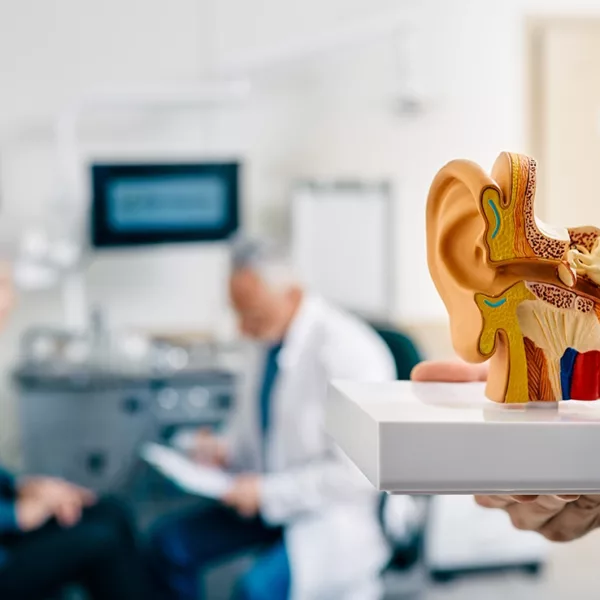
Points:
point(403, 349)
point(406, 573)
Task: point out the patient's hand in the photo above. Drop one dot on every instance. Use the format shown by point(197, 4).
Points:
point(558, 518)
point(208, 449)
point(32, 513)
point(37, 496)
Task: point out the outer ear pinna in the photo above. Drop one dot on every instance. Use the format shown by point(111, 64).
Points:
point(518, 292)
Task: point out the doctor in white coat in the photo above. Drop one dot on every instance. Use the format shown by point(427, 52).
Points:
point(308, 509)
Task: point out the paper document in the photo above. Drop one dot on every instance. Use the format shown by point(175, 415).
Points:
point(192, 477)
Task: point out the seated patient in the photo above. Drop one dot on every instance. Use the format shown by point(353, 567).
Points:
point(53, 533)
point(296, 499)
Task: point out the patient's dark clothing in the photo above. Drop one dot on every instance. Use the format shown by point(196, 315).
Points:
point(99, 553)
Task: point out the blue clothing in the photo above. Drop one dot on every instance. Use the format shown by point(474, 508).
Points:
point(8, 521)
point(8, 515)
point(182, 546)
point(269, 578)
point(269, 377)
point(7, 482)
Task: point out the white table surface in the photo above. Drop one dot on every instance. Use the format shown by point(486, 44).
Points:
point(447, 438)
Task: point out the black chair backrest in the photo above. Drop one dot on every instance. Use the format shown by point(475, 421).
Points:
point(403, 349)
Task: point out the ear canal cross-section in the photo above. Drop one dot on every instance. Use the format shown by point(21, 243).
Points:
point(518, 292)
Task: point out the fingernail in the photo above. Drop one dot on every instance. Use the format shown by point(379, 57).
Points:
point(525, 499)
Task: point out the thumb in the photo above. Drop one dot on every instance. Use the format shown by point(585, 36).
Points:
point(449, 371)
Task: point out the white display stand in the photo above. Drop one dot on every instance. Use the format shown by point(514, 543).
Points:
point(447, 438)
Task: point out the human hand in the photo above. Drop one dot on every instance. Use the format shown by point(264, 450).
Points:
point(244, 496)
point(557, 518)
point(7, 294)
point(64, 500)
point(208, 449)
point(449, 371)
point(31, 513)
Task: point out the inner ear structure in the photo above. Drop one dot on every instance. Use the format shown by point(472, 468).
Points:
point(519, 293)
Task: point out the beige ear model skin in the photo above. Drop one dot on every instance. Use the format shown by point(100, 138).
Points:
point(518, 292)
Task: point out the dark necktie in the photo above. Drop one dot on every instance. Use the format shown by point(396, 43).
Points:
point(269, 378)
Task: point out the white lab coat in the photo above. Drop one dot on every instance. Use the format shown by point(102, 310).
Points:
point(332, 534)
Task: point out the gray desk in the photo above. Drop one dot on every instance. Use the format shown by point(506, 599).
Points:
point(87, 425)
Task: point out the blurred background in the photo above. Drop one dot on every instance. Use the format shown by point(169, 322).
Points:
point(319, 124)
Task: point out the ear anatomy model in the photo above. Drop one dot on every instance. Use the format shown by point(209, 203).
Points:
point(518, 292)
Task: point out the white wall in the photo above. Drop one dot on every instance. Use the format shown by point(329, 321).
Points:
point(336, 119)
point(339, 119)
point(52, 53)
point(326, 117)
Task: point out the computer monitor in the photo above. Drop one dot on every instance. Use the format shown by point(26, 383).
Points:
point(141, 204)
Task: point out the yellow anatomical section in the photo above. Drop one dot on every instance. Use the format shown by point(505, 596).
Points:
point(499, 314)
point(505, 215)
point(488, 254)
point(500, 235)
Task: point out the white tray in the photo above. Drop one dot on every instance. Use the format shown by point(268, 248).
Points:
point(447, 438)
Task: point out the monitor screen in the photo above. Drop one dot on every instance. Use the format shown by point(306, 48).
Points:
point(162, 203)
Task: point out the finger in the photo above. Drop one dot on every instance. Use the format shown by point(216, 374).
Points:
point(534, 515)
point(575, 520)
point(75, 514)
point(82, 494)
point(68, 514)
point(68, 490)
point(449, 371)
point(203, 458)
point(524, 499)
point(245, 480)
point(88, 497)
point(73, 496)
point(204, 436)
point(528, 498)
point(67, 495)
point(229, 499)
point(60, 489)
point(246, 511)
point(494, 501)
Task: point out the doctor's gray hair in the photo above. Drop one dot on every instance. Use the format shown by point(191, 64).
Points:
point(270, 261)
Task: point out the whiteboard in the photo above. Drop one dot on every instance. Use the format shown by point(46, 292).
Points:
point(342, 244)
